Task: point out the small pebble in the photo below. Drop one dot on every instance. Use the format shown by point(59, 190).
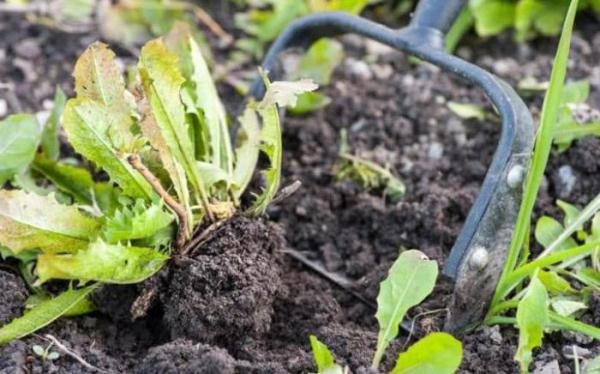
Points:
point(436, 151)
point(359, 68)
point(376, 48)
point(383, 71)
point(567, 178)
point(551, 367)
point(28, 48)
point(3, 107)
point(42, 116)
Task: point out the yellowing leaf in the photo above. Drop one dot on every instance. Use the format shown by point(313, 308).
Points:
point(437, 353)
point(162, 82)
point(30, 221)
point(43, 314)
point(532, 317)
point(102, 262)
point(19, 138)
point(88, 124)
point(246, 155)
point(410, 280)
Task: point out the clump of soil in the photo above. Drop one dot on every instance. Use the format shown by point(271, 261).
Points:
point(13, 294)
point(224, 293)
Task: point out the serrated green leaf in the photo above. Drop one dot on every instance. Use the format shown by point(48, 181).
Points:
point(532, 317)
point(410, 280)
point(19, 139)
point(102, 262)
point(29, 221)
point(436, 353)
point(43, 314)
point(136, 222)
point(50, 142)
point(547, 229)
point(246, 154)
point(162, 82)
point(87, 124)
point(319, 61)
point(467, 111)
point(323, 358)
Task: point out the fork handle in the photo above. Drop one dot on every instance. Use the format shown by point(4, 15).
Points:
point(437, 14)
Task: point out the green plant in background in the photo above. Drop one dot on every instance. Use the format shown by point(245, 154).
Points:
point(164, 148)
point(538, 287)
point(410, 280)
point(366, 173)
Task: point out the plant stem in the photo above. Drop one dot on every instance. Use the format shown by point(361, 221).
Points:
point(570, 324)
point(136, 162)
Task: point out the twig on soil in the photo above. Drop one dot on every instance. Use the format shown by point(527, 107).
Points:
point(197, 241)
point(286, 192)
point(72, 353)
point(205, 18)
point(136, 162)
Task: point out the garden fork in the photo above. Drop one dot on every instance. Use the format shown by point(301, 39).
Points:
point(479, 253)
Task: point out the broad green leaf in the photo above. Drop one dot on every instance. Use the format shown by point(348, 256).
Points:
point(589, 276)
point(566, 307)
point(571, 211)
point(73, 180)
point(88, 124)
point(102, 262)
point(466, 110)
point(266, 25)
point(554, 283)
point(492, 16)
point(436, 353)
point(85, 306)
point(532, 317)
point(136, 222)
point(50, 142)
point(319, 61)
point(547, 230)
point(410, 280)
point(43, 314)
point(576, 92)
point(19, 139)
point(162, 82)
point(323, 358)
point(246, 154)
point(29, 221)
point(215, 119)
point(309, 102)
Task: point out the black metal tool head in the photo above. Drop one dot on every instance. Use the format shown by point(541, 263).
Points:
point(479, 253)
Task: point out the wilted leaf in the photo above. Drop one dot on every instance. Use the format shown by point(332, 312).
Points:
point(43, 314)
point(29, 221)
point(566, 307)
point(436, 353)
point(88, 124)
point(50, 142)
point(410, 280)
point(136, 222)
point(285, 94)
point(323, 358)
point(102, 262)
point(19, 139)
point(532, 317)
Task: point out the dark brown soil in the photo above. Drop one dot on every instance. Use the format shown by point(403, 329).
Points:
point(240, 305)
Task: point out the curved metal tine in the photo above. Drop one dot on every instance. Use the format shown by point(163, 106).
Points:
point(516, 136)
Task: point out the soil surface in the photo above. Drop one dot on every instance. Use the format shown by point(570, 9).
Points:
point(239, 303)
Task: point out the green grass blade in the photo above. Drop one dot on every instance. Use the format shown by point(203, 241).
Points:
point(43, 314)
point(543, 145)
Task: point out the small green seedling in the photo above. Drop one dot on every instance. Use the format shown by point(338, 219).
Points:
point(165, 149)
point(538, 288)
point(366, 173)
point(45, 354)
point(410, 280)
